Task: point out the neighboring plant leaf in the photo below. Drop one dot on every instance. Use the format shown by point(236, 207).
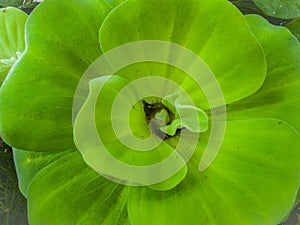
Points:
point(249, 7)
point(13, 209)
point(256, 181)
point(279, 97)
point(28, 165)
point(14, 3)
point(294, 27)
point(191, 25)
point(12, 38)
point(78, 195)
point(280, 8)
point(59, 51)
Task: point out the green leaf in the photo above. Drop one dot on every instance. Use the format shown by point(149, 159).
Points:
point(183, 116)
point(36, 100)
point(280, 8)
point(191, 25)
point(78, 195)
point(254, 180)
point(294, 27)
point(246, 7)
point(114, 3)
point(28, 165)
point(280, 95)
point(12, 38)
point(14, 3)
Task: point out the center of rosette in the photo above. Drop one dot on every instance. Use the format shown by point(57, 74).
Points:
point(122, 130)
point(158, 116)
point(169, 116)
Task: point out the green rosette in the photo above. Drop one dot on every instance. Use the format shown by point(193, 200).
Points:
point(252, 178)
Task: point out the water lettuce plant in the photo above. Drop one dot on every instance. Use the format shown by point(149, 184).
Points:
point(254, 176)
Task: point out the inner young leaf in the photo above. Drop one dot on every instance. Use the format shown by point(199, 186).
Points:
point(168, 116)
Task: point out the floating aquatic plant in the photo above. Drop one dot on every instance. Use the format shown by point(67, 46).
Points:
point(174, 75)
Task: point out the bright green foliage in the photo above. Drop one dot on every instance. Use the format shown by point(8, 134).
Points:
point(279, 96)
point(71, 48)
point(76, 196)
point(254, 178)
point(12, 41)
point(30, 163)
point(245, 179)
point(187, 22)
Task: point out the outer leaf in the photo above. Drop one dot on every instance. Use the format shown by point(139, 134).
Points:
point(28, 165)
point(253, 180)
point(12, 40)
point(279, 97)
point(11, 2)
point(190, 24)
point(294, 217)
point(280, 8)
point(294, 27)
point(36, 100)
point(78, 195)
